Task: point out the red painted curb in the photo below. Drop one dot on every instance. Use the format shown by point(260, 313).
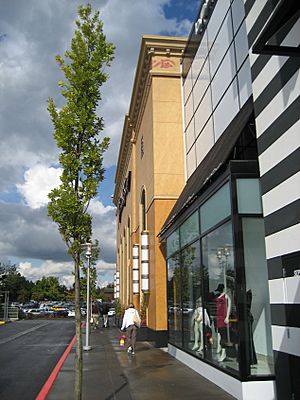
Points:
point(50, 381)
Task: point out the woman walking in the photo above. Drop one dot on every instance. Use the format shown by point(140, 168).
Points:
point(131, 322)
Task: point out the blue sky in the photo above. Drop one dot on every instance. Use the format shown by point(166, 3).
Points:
point(32, 33)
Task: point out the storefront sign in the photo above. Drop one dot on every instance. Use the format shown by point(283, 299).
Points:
point(125, 191)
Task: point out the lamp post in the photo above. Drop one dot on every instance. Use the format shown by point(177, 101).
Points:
point(88, 254)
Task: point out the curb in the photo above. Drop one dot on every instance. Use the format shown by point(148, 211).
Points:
point(50, 381)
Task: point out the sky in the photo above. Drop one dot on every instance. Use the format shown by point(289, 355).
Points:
point(32, 33)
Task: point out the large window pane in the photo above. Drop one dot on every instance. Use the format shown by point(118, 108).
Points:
point(259, 340)
point(245, 84)
point(216, 208)
point(220, 46)
point(173, 243)
point(219, 296)
point(223, 77)
point(189, 230)
point(192, 300)
point(226, 110)
point(249, 197)
point(174, 301)
point(205, 141)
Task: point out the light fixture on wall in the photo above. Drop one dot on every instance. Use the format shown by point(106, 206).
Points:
point(135, 269)
point(117, 285)
point(145, 261)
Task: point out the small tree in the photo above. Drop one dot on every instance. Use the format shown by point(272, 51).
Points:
point(76, 130)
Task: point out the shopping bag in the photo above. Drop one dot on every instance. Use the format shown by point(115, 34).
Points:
point(122, 341)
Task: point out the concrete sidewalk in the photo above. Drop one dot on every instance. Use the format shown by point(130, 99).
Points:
point(109, 373)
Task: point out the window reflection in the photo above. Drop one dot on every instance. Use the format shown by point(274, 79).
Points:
point(219, 296)
point(174, 301)
point(191, 298)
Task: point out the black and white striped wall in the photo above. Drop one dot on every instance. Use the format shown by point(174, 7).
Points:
point(276, 89)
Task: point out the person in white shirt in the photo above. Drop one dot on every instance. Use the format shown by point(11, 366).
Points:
point(131, 322)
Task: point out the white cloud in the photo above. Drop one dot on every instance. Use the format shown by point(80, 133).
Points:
point(39, 181)
point(97, 208)
point(61, 270)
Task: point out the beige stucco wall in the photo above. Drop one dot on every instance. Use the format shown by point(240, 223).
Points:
point(144, 165)
point(167, 136)
point(157, 215)
point(161, 172)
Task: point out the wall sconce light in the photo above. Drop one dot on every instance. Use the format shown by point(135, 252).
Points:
point(145, 261)
point(135, 269)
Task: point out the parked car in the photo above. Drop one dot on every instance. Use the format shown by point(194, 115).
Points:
point(71, 313)
point(34, 312)
point(111, 312)
point(60, 313)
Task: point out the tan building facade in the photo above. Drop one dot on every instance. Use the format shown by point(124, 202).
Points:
point(149, 179)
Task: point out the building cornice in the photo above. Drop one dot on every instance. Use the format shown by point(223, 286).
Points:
point(151, 46)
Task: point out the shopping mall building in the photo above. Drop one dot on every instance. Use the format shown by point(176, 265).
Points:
point(213, 248)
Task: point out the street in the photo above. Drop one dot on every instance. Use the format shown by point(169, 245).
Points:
point(29, 350)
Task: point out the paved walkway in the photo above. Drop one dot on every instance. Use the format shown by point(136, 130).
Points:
point(109, 373)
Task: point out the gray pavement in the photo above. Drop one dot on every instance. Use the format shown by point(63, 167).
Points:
point(109, 373)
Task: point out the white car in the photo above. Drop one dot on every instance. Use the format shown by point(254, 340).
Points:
point(111, 312)
point(71, 313)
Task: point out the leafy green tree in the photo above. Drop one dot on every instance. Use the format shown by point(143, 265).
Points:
point(7, 267)
point(11, 280)
point(76, 131)
point(24, 293)
point(48, 288)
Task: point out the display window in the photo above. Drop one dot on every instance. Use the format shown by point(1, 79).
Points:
point(219, 296)
point(174, 300)
point(218, 304)
point(259, 353)
point(192, 299)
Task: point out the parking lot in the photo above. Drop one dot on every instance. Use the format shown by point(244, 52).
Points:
point(56, 309)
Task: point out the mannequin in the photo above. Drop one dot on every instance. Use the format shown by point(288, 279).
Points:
point(252, 353)
point(197, 321)
point(223, 303)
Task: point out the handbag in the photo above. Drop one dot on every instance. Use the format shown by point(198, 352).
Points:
point(136, 320)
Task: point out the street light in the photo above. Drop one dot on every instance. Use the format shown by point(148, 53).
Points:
point(88, 254)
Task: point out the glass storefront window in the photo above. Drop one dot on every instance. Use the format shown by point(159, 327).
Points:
point(216, 208)
point(174, 300)
point(259, 338)
point(202, 293)
point(173, 243)
point(191, 299)
point(249, 197)
point(220, 297)
point(189, 230)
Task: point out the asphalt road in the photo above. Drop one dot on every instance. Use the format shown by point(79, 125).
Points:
point(29, 350)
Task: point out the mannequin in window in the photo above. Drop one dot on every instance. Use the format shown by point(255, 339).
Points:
point(223, 306)
point(250, 319)
point(197, 322)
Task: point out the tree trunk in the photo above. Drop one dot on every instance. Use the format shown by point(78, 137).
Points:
point(78, 357)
